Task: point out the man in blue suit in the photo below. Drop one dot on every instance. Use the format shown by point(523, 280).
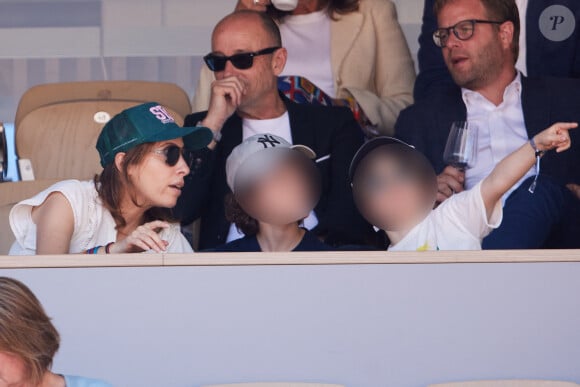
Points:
point(479, 42)
point(549, 44)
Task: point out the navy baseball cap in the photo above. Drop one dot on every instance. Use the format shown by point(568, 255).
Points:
point(149, 122)
point(368, 147)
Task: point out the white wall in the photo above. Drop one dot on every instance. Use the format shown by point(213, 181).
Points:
point(388, 325)
point(137, 39)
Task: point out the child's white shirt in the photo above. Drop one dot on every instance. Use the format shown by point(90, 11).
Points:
point(459, 223)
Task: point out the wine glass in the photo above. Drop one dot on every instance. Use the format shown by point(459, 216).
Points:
point(461, 148)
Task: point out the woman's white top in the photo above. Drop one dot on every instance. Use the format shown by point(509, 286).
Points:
point(307, 39)
point(93, 223)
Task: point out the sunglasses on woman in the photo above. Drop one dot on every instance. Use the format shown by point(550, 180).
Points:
point(172, 153)
point(242, 61)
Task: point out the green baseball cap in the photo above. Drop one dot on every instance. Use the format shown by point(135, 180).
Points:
point(149, 122)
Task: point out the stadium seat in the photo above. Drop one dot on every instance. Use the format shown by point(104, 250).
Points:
point(57, 125)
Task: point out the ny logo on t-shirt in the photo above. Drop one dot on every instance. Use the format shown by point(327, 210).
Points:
point(268, 141)
point(161, 114)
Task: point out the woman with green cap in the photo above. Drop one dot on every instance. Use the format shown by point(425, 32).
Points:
point(145, 156)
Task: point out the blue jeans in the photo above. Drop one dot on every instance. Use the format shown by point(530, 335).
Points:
point(548, 218)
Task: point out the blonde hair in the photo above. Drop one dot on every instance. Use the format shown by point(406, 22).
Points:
point(25, 329)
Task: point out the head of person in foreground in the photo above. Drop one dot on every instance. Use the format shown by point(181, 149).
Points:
point(28, 341)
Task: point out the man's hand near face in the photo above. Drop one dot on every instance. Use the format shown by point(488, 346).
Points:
point(226, 97)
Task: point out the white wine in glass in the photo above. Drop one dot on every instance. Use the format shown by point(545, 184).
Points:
point(461, 148)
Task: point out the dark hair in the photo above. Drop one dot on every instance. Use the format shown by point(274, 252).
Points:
point(340, 7)
point(113, 183)
point(235, 214)
point(25, 329)
point(500, 10)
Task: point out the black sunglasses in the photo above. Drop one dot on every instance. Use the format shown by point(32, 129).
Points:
point(463, 30)
point(172, 154)
point(242, 61)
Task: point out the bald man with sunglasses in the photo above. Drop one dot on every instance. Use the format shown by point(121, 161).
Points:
point(247, 57)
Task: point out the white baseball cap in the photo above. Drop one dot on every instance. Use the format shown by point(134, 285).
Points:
point(256, 155)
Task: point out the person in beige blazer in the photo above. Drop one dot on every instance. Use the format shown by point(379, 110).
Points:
point(370, 60)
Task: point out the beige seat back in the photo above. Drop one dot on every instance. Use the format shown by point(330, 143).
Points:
point(57, 125)
point(135, 92)
point(508, 383)
point(278, 384)
point(10, 194)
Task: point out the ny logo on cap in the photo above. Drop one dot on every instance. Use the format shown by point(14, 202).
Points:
point(161, 114)
point(268, 141)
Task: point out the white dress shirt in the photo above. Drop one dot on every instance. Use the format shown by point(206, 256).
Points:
point(501, 130)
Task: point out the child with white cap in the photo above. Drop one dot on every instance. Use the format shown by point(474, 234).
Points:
point(274, 187)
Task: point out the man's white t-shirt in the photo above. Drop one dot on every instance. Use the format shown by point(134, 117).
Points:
point(279, 126)
point(459, 223)
point(93, 223)
point(307, 39)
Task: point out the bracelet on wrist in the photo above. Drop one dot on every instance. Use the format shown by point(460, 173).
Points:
point(539, 153)
point(108, 247)
point(538, 156)
point(94, 250)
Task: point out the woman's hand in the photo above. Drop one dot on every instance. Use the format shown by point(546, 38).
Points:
point(556, 136)
point(254, 5)
point(143, 238)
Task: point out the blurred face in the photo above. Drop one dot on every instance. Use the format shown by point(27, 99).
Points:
point(243, 34)
point(478, 61)
point(12, 371)
point(284, 195)
point(387, 195)
point(156, 183)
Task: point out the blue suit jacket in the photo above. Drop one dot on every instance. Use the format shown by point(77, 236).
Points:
point(544, 102)
point(544, 57)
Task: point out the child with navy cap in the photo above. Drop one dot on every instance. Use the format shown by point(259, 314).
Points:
point(275, 185)
point(395, 188)
point(145, 156)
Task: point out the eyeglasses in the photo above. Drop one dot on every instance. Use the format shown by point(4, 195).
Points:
point(172, 154)
point(463, 31)
point(242, 61)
